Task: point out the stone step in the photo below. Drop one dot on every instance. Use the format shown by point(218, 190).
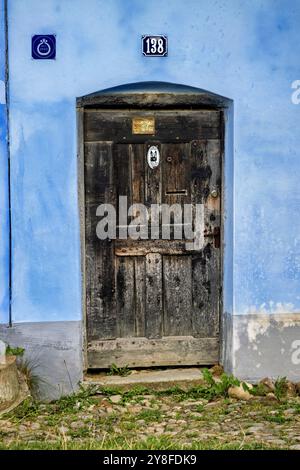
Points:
point(152, 378)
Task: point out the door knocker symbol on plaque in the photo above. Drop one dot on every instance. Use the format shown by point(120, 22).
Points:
point(44, 47)
point(153, 156)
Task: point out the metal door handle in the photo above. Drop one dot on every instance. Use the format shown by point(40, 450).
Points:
point(215, 234)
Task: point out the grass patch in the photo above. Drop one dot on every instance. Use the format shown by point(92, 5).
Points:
point(80, 433)
point(128, 425)
point(69, 405)
point(123, 443)
point(200, 408)
point(278, 418)
point(112, 429)
point(211, 389)
point(149, 415)
point(27, 409)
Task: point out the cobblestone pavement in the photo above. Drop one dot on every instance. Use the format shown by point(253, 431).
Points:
point(165, 420)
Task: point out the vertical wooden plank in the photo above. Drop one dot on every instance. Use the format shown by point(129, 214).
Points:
point(214, 275)
point(200, 172)
point(152, 180)
point(203, 316)
point(100, 287)
point(123, 183)
point(206, 178)
point(125, 296)
point(140, 295)
point(206, 292)
point(213, 217)
point(213, 204)
point(137, 162)
point(175, 184)
point(177, 282)
point(138, 173)
point(176, 173)
point(81, 205)
point(153, 191)
point(129, 181)
point(154, 302)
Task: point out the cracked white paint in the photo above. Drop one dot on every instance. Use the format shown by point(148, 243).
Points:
point(255, 327)
point(269, 345)
point(259, 319)
point(271, 308)
point(258, 325)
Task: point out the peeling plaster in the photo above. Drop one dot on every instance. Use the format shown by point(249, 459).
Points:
point(256, 328)
point(271, 307)
point(269, 345)
point(258, 324)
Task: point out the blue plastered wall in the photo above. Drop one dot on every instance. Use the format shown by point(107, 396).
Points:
point(4, 189)
point(240, 49)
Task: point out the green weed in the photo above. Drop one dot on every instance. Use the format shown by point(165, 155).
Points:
point(14, 351)
point(122, 371)
point(278, 418)
point(150, 415)
point(280, 387)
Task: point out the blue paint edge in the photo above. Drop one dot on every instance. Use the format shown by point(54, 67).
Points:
point(4, 178)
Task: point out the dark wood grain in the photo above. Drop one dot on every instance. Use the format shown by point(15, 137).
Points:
point(154, 295)
point(153, 302)
point(140, 295)
point(169, 126)
point(125, 284)
point(177, 283)
point(100, 273)
point(145, 352)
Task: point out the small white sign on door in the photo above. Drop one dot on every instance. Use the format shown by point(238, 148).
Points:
point(153, 156)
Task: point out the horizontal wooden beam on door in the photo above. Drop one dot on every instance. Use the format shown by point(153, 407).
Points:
point(145, 352)
point(142, 247)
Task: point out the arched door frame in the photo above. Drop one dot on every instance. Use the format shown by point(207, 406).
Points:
point(162, 95)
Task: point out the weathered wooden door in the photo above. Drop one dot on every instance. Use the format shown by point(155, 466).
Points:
point(152, 302)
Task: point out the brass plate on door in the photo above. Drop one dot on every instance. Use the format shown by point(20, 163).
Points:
point(143, 125)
